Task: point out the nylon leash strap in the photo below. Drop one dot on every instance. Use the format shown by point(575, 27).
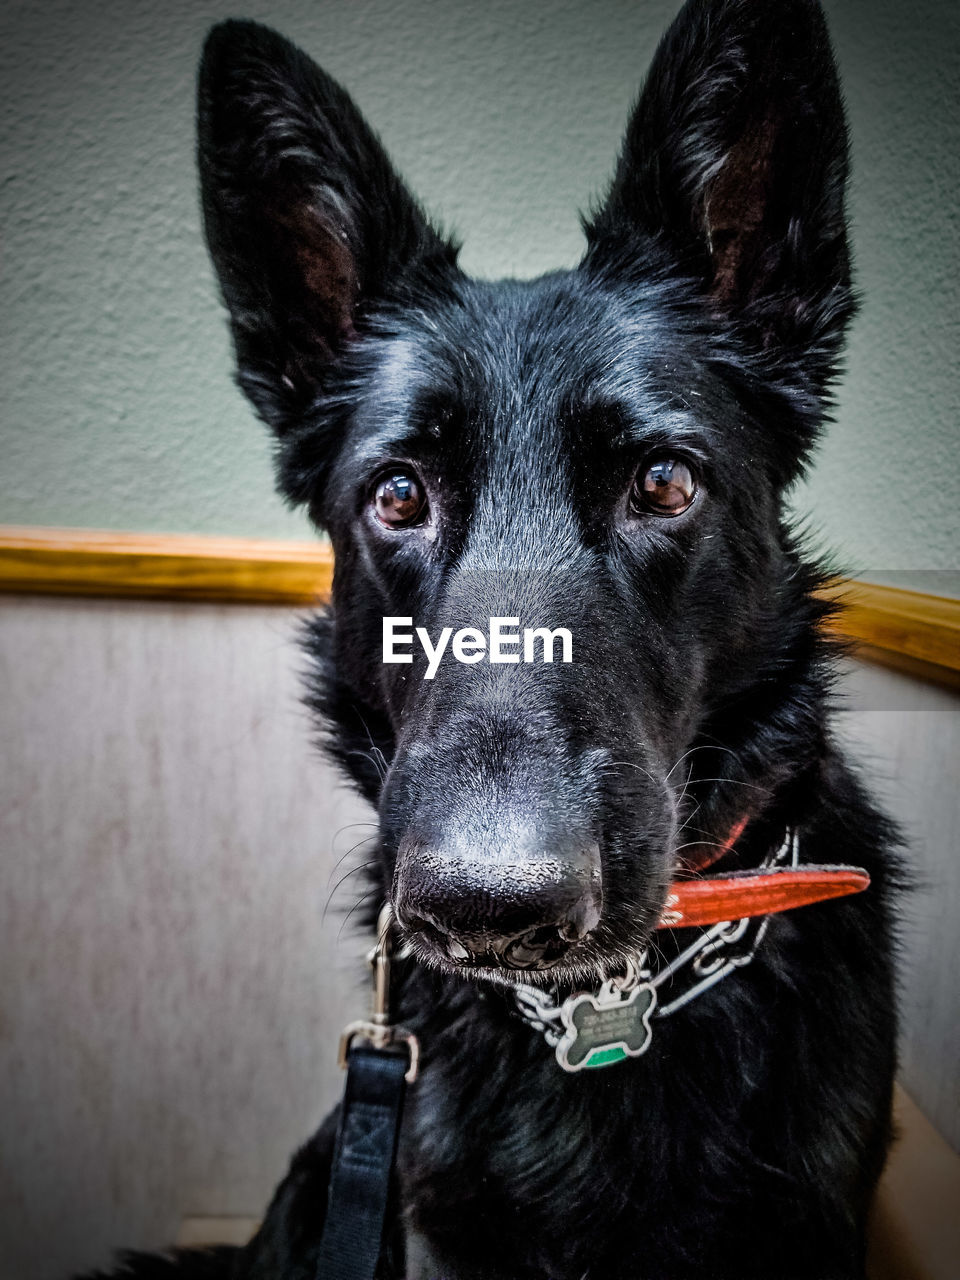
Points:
point(362, 1163)
point(378, 1072)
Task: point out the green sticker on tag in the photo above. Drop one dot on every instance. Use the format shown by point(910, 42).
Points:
point(604, 1057)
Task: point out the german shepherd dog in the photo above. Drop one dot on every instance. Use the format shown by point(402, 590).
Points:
point(607, 450)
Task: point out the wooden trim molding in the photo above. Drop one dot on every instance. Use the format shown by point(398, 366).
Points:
point(163, 566)
point(914, 625)
point(919, 627)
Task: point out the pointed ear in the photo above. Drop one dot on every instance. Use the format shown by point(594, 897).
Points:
point(308, 225)
point(736, 157)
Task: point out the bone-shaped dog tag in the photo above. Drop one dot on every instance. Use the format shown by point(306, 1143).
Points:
point(605, 1028)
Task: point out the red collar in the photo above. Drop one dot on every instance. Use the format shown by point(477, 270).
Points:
point(758, 892)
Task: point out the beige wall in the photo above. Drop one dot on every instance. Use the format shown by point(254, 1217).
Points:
point(906, 734)
point(171, 994)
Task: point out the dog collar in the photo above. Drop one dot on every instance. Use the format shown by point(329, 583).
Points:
point(599, 1028)
point(778, 884)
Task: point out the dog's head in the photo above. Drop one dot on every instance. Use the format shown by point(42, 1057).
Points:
point(603, 450)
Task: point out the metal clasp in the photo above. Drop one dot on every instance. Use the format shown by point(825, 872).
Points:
point(379, 1030)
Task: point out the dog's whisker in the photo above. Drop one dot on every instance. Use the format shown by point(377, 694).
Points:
point(383, 766)
point(680, 799)
point(368, 755)
point(700, 844)
point(710, 836)
point(353, 848)
point(356, 907)
point(353, 826)
point(686, 755)
point(737, 782)
point(364, 866)
point(686, 823)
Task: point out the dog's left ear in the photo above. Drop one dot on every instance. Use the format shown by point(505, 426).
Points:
point(736, 158)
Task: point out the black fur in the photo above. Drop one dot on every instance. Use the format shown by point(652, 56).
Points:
point(704, 322)
point(199, 1264)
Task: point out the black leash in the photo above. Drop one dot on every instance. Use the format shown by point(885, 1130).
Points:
point(366, 1143)
point(362, 1164)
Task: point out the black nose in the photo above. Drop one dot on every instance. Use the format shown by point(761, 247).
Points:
point(513, 913)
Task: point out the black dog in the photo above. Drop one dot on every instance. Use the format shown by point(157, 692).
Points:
point(605, 450)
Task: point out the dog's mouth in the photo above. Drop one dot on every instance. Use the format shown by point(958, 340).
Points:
point(540, 948)
point(584, 970)
point(538, 956)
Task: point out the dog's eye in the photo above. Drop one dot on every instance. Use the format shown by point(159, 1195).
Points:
point(664, 487)
point(399, 500)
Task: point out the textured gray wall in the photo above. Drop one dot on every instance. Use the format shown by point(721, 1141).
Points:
point(115, 400)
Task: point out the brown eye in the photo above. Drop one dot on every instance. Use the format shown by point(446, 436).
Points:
point(399, 500)
point(664, 487)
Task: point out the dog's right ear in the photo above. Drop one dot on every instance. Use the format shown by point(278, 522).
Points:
point(308, 225)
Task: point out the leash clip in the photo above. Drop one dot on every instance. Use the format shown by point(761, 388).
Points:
point(378, 1029)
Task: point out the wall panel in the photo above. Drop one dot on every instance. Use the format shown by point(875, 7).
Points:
point(171, 992)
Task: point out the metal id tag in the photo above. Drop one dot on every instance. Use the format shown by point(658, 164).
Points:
point(605, 1028)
